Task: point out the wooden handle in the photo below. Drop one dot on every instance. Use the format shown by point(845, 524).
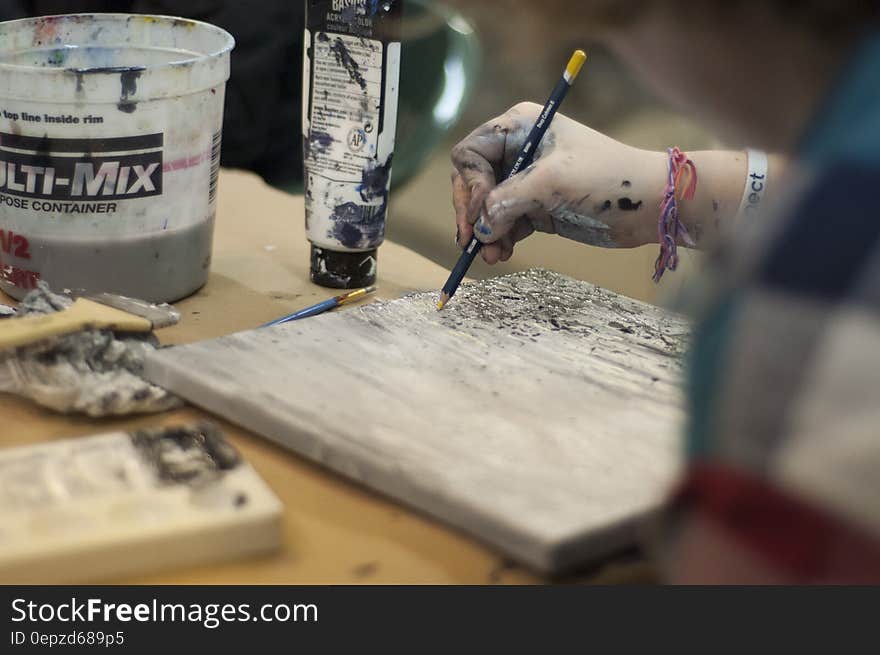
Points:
point(15, 332)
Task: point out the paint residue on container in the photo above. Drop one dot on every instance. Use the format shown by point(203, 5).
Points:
point(128, 81)
point(374, 180)
point(362, 226)
point(344, 59)
point(318, 143)
point(358, 226)
point(128, 78)
point(339, 273)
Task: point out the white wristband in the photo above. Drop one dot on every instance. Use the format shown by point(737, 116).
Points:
point(756, 183)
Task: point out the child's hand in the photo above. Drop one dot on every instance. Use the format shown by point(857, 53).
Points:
point(582, 185)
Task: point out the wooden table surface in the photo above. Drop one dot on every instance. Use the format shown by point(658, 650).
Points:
point(335, 532)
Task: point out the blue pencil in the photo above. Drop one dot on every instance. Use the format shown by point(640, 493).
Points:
point(322, 307)
point(525, 159)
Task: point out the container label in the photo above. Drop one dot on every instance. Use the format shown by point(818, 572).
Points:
point(349, 139)
point(345, 117)
point(80, 169)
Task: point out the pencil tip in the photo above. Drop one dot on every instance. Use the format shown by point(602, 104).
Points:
point(444, 298)
point(440, 306)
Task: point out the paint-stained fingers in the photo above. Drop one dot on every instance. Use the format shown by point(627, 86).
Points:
point(478, 177)
point(460, 200)
point(506, 244)
point(500, 140)
point(522, 229)
point(492, 253)
point(491, 141)
point(512, 200)
point(480, 157)
point(483, 155)
point(499, 217)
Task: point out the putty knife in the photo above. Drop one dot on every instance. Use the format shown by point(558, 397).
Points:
point(104, 311)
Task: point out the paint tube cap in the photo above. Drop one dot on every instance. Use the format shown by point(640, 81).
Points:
point(343, 270)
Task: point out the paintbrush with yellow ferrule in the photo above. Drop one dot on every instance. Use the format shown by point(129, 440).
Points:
point(103, 311)
point(321, 307)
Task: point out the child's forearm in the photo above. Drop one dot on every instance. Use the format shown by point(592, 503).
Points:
point(719, 192)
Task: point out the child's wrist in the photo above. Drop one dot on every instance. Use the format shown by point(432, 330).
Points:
point(717, 200)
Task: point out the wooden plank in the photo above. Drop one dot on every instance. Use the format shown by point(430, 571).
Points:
point(538, 413)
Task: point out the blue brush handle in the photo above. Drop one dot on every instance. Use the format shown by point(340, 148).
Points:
point(308, 312)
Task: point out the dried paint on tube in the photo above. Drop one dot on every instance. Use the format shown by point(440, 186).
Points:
point(350, 89)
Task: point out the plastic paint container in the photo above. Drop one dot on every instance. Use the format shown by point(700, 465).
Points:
point(110, 130)
point(350, 94)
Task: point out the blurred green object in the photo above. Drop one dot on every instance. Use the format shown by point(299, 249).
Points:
point(439, 67)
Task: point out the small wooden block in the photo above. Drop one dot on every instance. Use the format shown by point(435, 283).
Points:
point(97, 508)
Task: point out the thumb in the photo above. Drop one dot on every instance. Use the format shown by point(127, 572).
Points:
point(509, 201)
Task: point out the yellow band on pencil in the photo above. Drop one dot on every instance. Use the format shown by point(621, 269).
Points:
point(575, 64)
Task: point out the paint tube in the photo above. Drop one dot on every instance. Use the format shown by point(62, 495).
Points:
point(350, 89)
